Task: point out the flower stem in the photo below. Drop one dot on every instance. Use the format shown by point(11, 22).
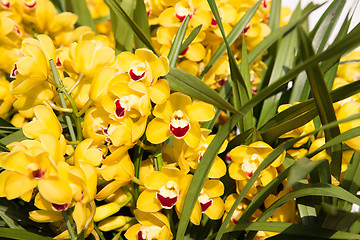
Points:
point(81, 76)
point(57, 108)
point(68, 225)
point(158, 161)
point(63, 92)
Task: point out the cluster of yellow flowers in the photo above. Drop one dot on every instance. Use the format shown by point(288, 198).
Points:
point(60, 73)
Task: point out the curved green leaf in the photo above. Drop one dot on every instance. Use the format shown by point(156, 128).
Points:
point(18, 234)
point(176, 45)
point(188, 84)
point(81, 10)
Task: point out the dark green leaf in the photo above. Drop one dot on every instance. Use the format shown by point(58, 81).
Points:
point(141, 19)
point(13, 137)
point(190, 38)
point(17, 234)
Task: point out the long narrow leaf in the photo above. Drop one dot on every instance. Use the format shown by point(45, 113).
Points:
point(20, 234)
point(81, 10)
point(119, 11)
point(176, 45)
point(190, 85)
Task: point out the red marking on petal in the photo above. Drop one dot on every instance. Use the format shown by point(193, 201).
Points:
point(135, 77)
point(60, 207)
point(184, 52)
point(140, 235)
point(213, 22)
point(254, 91)
point(234, 220)
point(166, 202)
point(32, 5)
point(205, 206)
point(5, 4)
point(14, 72)
point(17, 30)
point(148, 13)
point(221, 82)
point(182, 17)
point(179, 132)
point(249, 174)
point(120, 111)
point(58, 62)
point(38, 174)
point(264, 4)
point(246, 29)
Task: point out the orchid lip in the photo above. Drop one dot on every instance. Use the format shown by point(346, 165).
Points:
point(179, 132)
point(166, 202)
point(38, 174)
point(135, 77)
point(140, 235)
point(60, 207)
point(14, 72)
point(205, 206)
point(5, 4)
point(32, 5)
point(119, 111)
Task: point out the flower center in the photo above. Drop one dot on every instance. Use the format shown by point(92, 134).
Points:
point(213, 22)
point(249, 167)
point(168, 194)
point(122, 105)
point(178, 125)
point(137, 70)
point(182, 11)
point(149, 232)
point(38, 174)
point(205, 201)
point(237, 213)
point(60, 207)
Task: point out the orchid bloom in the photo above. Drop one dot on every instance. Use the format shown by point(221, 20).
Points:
point(246, 160)
point(180, 117)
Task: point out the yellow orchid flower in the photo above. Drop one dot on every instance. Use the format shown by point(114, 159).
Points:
point(6, 98)
point(90, 153)
point(89, 56)
point(47, 20)
point(23, 117)
point(144, 69)
point(347, 110)
point(218, 73)
point(153, 226)
point(11, 31)
point(350, 71)
point(209, 201)
point(45, 122)
point(117, 166)
point(96, 123)
point(321, 155)
point(197, 10)
point(179, 116)
point(31, 164)
point(246, 159)
point(229, 202)
point(162, 190)
point(286, 213)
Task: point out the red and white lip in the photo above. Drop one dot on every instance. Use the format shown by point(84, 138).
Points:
point(168, 194)
point(249, 166)
point(137, 71)
point(205, 201)
point(179, 126)
point(60, 207)
point(181, 12)
point(148, 232)
point(14, 71)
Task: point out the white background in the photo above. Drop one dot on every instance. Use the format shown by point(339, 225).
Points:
point(314, 16)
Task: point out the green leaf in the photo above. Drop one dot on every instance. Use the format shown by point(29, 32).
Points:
point(276, 35)
point(81, 10)
point(292, 229)
point(351, 180)
point(3, 148)
point(13, 137)
point(201, 174)
point(190, 38)
point(5, 123)
point(299, 114)
point(141, 19)
point(300, 169)
point(176, 45)
point(323, 102)
point(190, 85)
point(18, 234)
point(120, 12)
point(233, 35)
point(123, 33)
point(241, 88)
